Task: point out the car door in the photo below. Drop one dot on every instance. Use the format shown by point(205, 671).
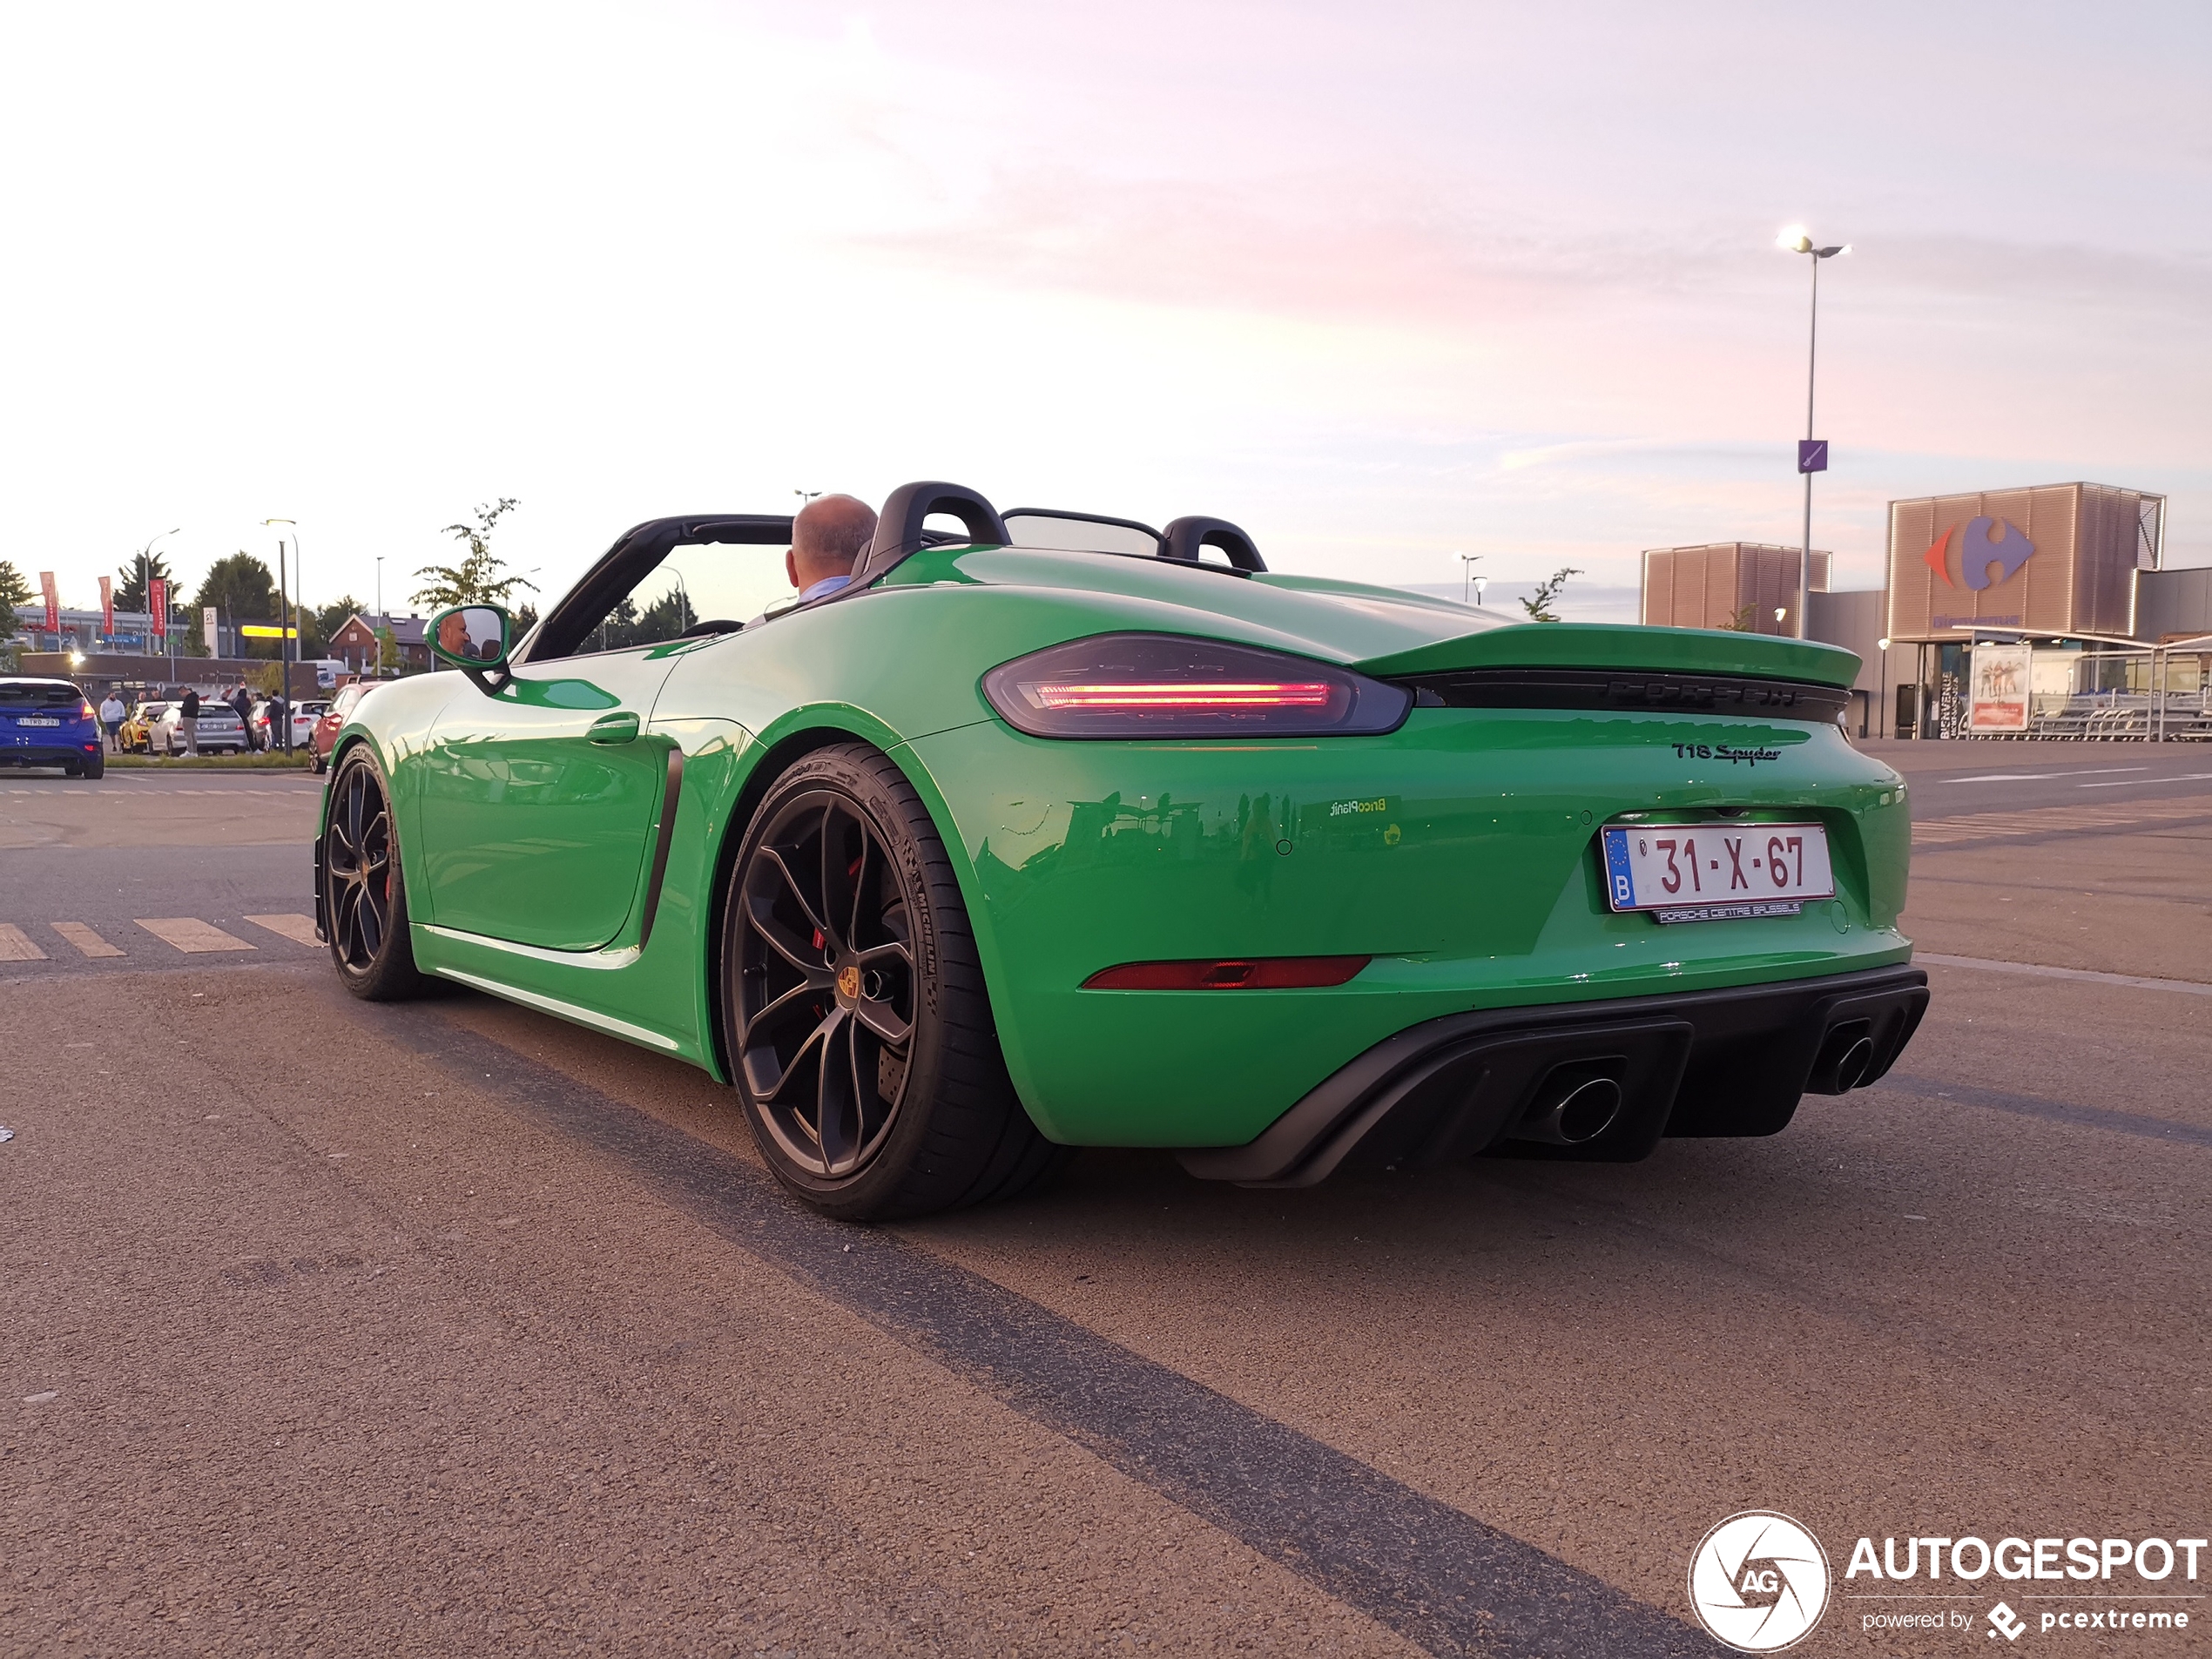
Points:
point(538, 803)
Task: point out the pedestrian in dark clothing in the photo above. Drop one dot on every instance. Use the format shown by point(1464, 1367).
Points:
point(242, 701)
point(188, 718)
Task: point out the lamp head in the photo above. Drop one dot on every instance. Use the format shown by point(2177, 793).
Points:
point(1794, 239)
point(1882, 645)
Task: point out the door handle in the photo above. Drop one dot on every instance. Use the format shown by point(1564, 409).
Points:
point(614, 728)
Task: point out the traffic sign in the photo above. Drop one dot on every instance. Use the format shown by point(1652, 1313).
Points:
point(1812, 455)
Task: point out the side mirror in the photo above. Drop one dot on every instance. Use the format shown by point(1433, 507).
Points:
point(471, 637)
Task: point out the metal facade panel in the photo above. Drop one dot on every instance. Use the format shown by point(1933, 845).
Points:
point(1708, 586)
point(1690, 589)
point(2085, 542)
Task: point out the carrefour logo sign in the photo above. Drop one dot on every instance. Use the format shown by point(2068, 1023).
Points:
point(1983, 542)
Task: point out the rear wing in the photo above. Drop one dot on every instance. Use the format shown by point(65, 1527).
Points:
point(1624, 647)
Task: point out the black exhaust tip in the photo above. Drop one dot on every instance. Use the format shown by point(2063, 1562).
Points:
point(1846, 1056)
point(1570, 1108)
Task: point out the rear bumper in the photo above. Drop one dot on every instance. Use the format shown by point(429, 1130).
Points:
point(51, 754)
point(1709, 1062)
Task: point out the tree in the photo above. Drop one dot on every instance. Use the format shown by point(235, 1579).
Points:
point(1740, 623)
point(241, 588)
point(480, 578)
point(15, 593)
point(1539, 603)
point(142, 568)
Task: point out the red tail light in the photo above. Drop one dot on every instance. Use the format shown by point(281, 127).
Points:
point(1176, 685)
point(1189, 694)
point(1234, 973)
point(84, 709)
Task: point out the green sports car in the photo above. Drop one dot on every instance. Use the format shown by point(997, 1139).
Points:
point(1056, 830)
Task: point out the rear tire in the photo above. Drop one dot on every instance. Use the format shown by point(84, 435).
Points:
point(364, 900)
point(859, 1030)
point(95, 766)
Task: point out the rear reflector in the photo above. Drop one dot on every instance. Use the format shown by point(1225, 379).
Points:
point(1241, 973)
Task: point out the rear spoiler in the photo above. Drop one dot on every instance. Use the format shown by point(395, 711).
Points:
point(1624, 646)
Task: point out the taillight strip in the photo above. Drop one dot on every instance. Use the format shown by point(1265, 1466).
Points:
point(1229, 974)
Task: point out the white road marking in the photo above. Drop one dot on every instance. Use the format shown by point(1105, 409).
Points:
point(2183, 778)
point(2037, 777)
point(190, 934)
point(15, 946)
point(2188, 987)
point(88, 943)
point(300, 930)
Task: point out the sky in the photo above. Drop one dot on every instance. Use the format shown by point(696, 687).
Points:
point(1383, 284)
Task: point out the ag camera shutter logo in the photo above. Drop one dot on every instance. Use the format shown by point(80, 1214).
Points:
point(1758, 1581)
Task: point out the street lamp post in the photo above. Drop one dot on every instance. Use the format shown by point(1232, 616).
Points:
point(1812, 455)
point(1468, 562)
point(286, 626)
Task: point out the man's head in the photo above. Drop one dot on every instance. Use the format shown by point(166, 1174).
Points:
point(827, 538)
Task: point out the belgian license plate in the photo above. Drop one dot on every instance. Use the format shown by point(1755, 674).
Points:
point(35, 719)
point(1716, 871)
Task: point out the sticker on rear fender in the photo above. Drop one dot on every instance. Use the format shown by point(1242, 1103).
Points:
point(1716, 871)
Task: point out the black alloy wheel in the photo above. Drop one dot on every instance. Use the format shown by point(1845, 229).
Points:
point(857, 1021)
point(365, 903)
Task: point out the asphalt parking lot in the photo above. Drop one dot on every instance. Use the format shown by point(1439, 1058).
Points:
point(345, 1329)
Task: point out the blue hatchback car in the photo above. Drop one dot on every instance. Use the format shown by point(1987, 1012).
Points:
point(49, 723)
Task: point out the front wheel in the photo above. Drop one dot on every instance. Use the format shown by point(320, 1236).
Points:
point(364, 900)
point(859, 1030)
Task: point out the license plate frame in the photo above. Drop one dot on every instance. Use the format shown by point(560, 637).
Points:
point(40, 720)
point(1721, 871)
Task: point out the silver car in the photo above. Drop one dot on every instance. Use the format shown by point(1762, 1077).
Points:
point(219, 728)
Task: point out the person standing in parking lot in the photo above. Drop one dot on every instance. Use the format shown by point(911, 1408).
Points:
point(188, 718)
point(242, 700)
point(111, 714)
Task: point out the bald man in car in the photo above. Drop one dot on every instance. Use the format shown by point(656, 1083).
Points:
point(826, 541)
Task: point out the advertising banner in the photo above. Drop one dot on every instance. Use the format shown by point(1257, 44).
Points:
point(207, 630)
point(2000, 693)
point(107, 607)
point(158, 608)
point(53, 602)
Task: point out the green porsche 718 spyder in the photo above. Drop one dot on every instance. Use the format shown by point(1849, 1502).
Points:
point(1060, 830)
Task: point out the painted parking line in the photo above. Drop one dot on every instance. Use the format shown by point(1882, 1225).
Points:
point(1982, 826)
point(2133, 981)
point(15, 946)
point(88, 943)
point(190, 934)
point(300, 930)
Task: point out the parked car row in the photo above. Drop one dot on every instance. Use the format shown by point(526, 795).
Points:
point(52, 723)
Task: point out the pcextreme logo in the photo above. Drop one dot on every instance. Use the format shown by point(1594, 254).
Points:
point(1982, 543)
point(1759, 1582)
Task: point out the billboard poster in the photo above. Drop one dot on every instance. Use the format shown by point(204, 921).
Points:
point(107, 607)
point(158, 610)
point(1998, 698)
point(53, 602)
point(208, 630)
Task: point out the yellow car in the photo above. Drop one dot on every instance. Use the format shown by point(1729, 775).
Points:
point(135, 735)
